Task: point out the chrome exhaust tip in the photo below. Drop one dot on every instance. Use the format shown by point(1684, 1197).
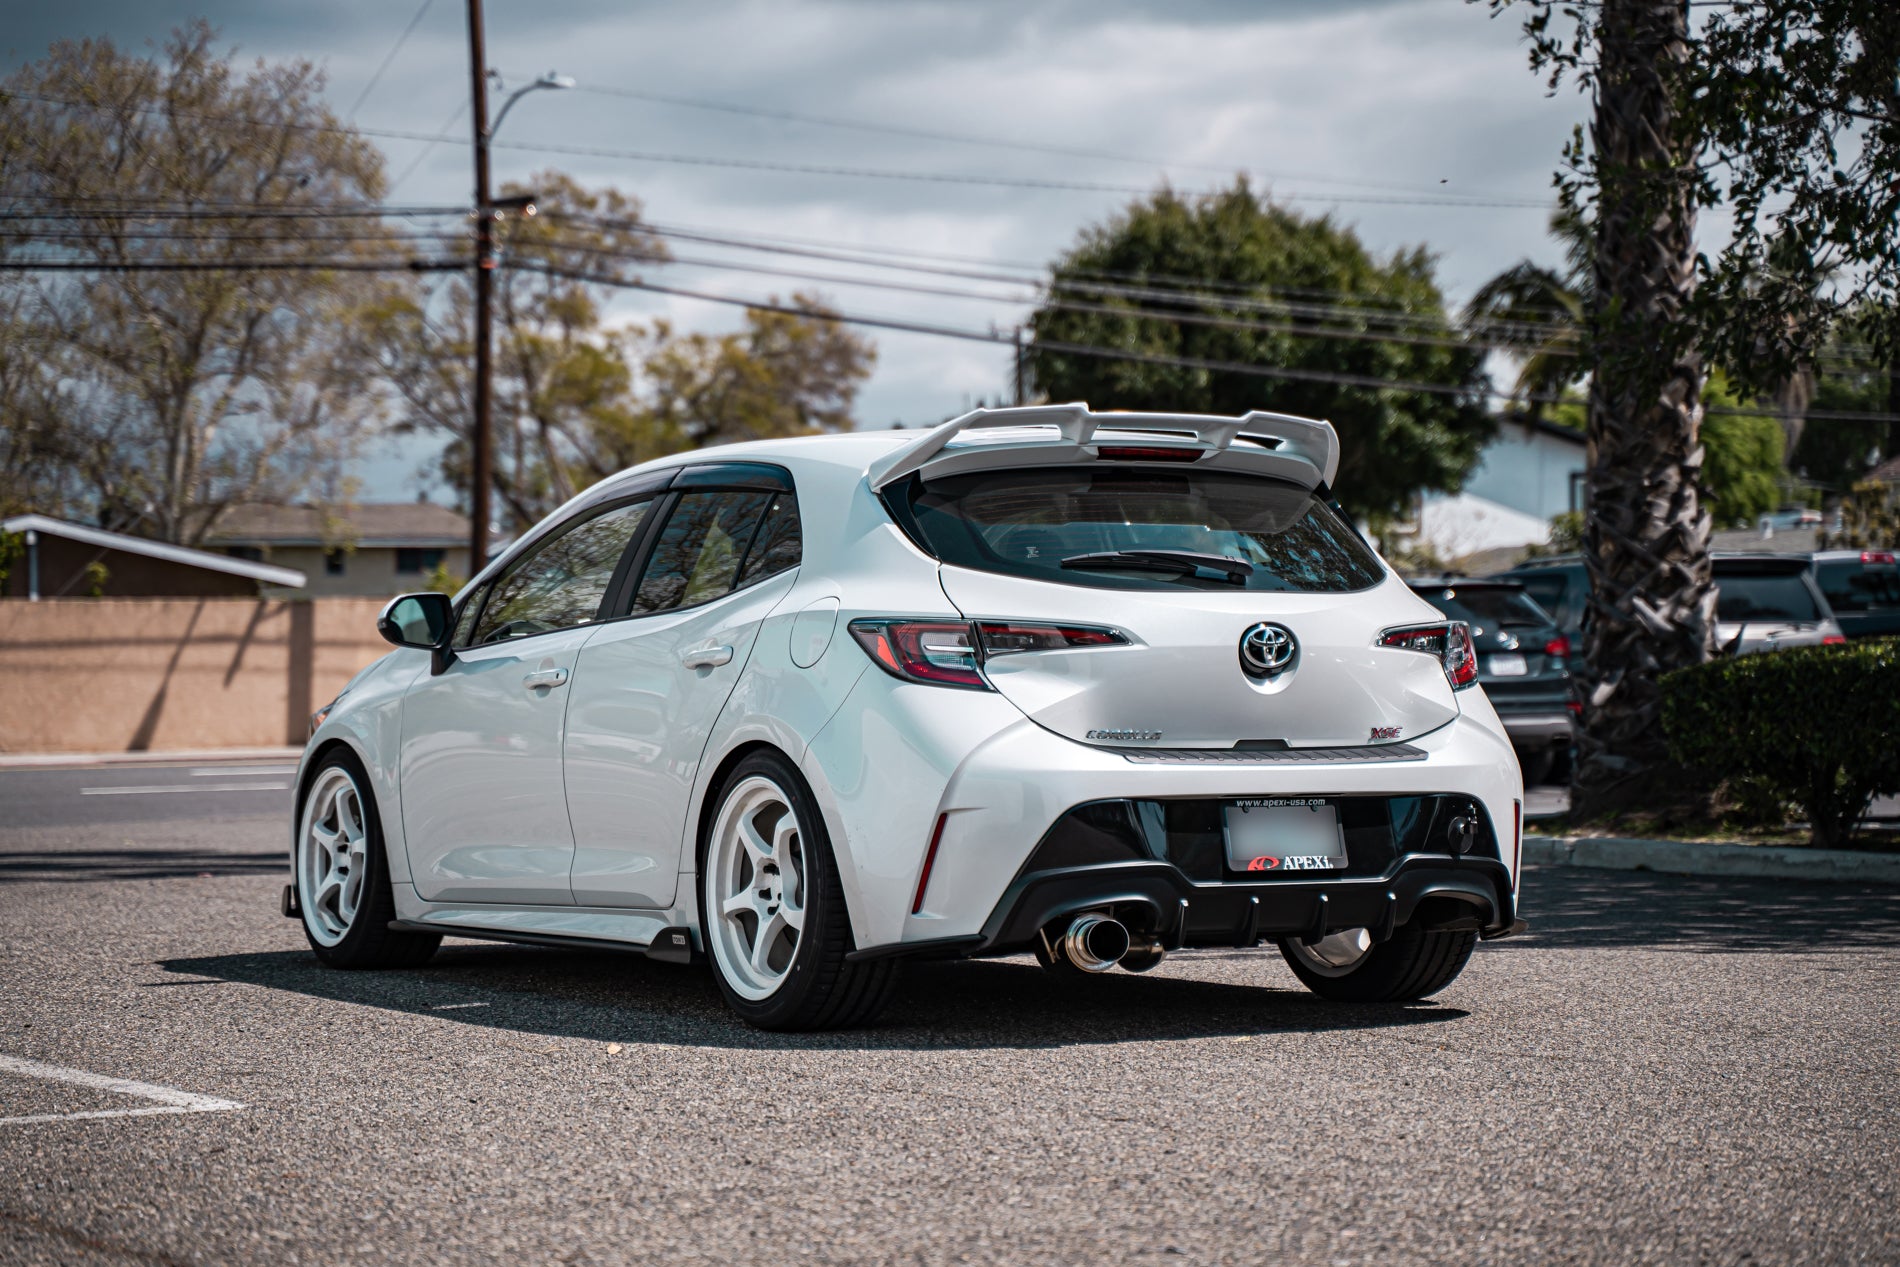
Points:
point(1095, 942)
point(1143, 954)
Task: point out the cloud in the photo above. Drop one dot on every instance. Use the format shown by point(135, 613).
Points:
point(1365, 99)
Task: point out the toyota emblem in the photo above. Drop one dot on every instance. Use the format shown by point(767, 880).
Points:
point(1268, 650)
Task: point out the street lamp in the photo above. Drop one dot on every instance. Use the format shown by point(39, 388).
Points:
point(482, 439)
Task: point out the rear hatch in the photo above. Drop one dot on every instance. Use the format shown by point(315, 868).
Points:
point(1062, 545)
point(1762, 604)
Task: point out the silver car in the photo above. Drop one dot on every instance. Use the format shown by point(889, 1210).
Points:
point(1767, 602)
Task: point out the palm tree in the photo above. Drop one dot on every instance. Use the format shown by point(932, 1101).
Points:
point(1535, 316)
point(1646, 532)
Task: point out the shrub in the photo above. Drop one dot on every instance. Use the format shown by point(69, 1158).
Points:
point(1814, 726)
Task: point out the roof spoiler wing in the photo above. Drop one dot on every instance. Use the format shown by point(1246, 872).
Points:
point(1309, 440)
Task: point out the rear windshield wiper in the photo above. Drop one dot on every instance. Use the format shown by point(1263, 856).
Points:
point(1186, 562)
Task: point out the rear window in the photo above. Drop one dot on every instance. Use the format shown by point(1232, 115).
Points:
point(1853, 586)
point(1764, 596)
point(1028, 521)
point(1495, 606)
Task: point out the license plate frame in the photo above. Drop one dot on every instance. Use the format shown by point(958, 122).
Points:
point(1280, 835)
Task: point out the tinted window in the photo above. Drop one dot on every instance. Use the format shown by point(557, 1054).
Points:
point(1025, 522)
point(465, 623)
point(700, 550)
point(1547, 591)
point(1763, 596)
point(777, 546)
point(1493, 606)
point(560, 584)
point(1853, 586)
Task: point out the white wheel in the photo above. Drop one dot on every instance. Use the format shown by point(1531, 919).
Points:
point(756, 887)
point(1335, 955)
point(332, 856)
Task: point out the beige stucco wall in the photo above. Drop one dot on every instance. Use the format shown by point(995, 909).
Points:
point(157, 674)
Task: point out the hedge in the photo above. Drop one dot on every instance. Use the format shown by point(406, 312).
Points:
point(1818, 727)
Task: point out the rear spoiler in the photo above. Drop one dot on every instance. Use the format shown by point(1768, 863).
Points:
point(1305, 439)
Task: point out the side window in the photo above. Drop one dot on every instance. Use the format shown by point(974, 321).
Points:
point(777, 547)
point(698, 555)
point(561, 583)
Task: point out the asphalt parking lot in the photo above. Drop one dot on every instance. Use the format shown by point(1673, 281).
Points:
point(1665, 1070)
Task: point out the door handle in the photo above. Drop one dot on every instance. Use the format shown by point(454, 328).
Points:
point(706, 657)
point(545, 677)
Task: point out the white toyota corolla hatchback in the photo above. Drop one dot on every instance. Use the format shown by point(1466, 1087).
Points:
point(1092, 686)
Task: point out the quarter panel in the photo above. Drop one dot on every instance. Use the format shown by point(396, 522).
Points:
point(368, 717)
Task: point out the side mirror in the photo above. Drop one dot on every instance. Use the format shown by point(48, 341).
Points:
point(417, 620)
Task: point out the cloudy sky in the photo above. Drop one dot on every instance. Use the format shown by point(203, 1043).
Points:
point(1380, 111)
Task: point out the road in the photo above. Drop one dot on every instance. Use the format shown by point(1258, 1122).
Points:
point(1663, 1071)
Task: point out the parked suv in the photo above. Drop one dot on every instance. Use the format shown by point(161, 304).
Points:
point(1765, 602)
point(1862, 588)
point(1561, 587)
point(1523, 664)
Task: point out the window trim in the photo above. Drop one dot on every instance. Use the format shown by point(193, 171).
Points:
point(664, 488)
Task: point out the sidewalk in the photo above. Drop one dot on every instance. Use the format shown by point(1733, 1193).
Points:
point(194, 756)
point(1682, 857)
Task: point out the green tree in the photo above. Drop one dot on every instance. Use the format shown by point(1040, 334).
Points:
point(558, 371)
point(1232, 278)
point(1743, 466)
point(149, 401)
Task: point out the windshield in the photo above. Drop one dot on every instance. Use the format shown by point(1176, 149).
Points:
point(1764, 596)
point(1027, 521)
point(1498, 606)
point(1853, 586)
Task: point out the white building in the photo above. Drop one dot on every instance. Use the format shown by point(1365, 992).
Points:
point(1528, 473)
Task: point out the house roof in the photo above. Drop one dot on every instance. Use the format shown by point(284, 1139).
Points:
point(1887, 472)
point(360, 524)
point(262, 572)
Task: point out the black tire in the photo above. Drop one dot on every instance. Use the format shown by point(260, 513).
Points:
point(370, 942)
point(1411, 964)
point(821, 990)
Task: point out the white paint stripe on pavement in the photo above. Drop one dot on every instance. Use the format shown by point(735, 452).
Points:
point(170, 1099)
point(242, 771)
point(155, 789)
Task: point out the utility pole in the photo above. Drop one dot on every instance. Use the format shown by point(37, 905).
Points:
point(481, 426)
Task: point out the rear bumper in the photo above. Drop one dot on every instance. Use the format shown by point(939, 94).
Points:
point(1155, 898)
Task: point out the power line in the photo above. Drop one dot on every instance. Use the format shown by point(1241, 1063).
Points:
point(765, 165)
point(377, 78)
point(232, 266)
point(1119, 354)
point(964, 138)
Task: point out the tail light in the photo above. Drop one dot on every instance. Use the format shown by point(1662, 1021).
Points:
point(945, 653)
point(1833, 640)
point(1876, 556)
point(1558, 647)
point(1147, 453)
point(1450, 642)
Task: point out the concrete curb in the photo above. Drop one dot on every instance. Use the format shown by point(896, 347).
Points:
point(46, 760)
point(1678, 857)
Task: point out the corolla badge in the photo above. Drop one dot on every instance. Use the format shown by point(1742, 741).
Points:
point(1268, 650)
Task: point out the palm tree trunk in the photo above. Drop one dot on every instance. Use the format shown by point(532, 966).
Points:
point(1646, 534)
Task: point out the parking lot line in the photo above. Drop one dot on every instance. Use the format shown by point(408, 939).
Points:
point(170, 1099)
point(159, 788)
